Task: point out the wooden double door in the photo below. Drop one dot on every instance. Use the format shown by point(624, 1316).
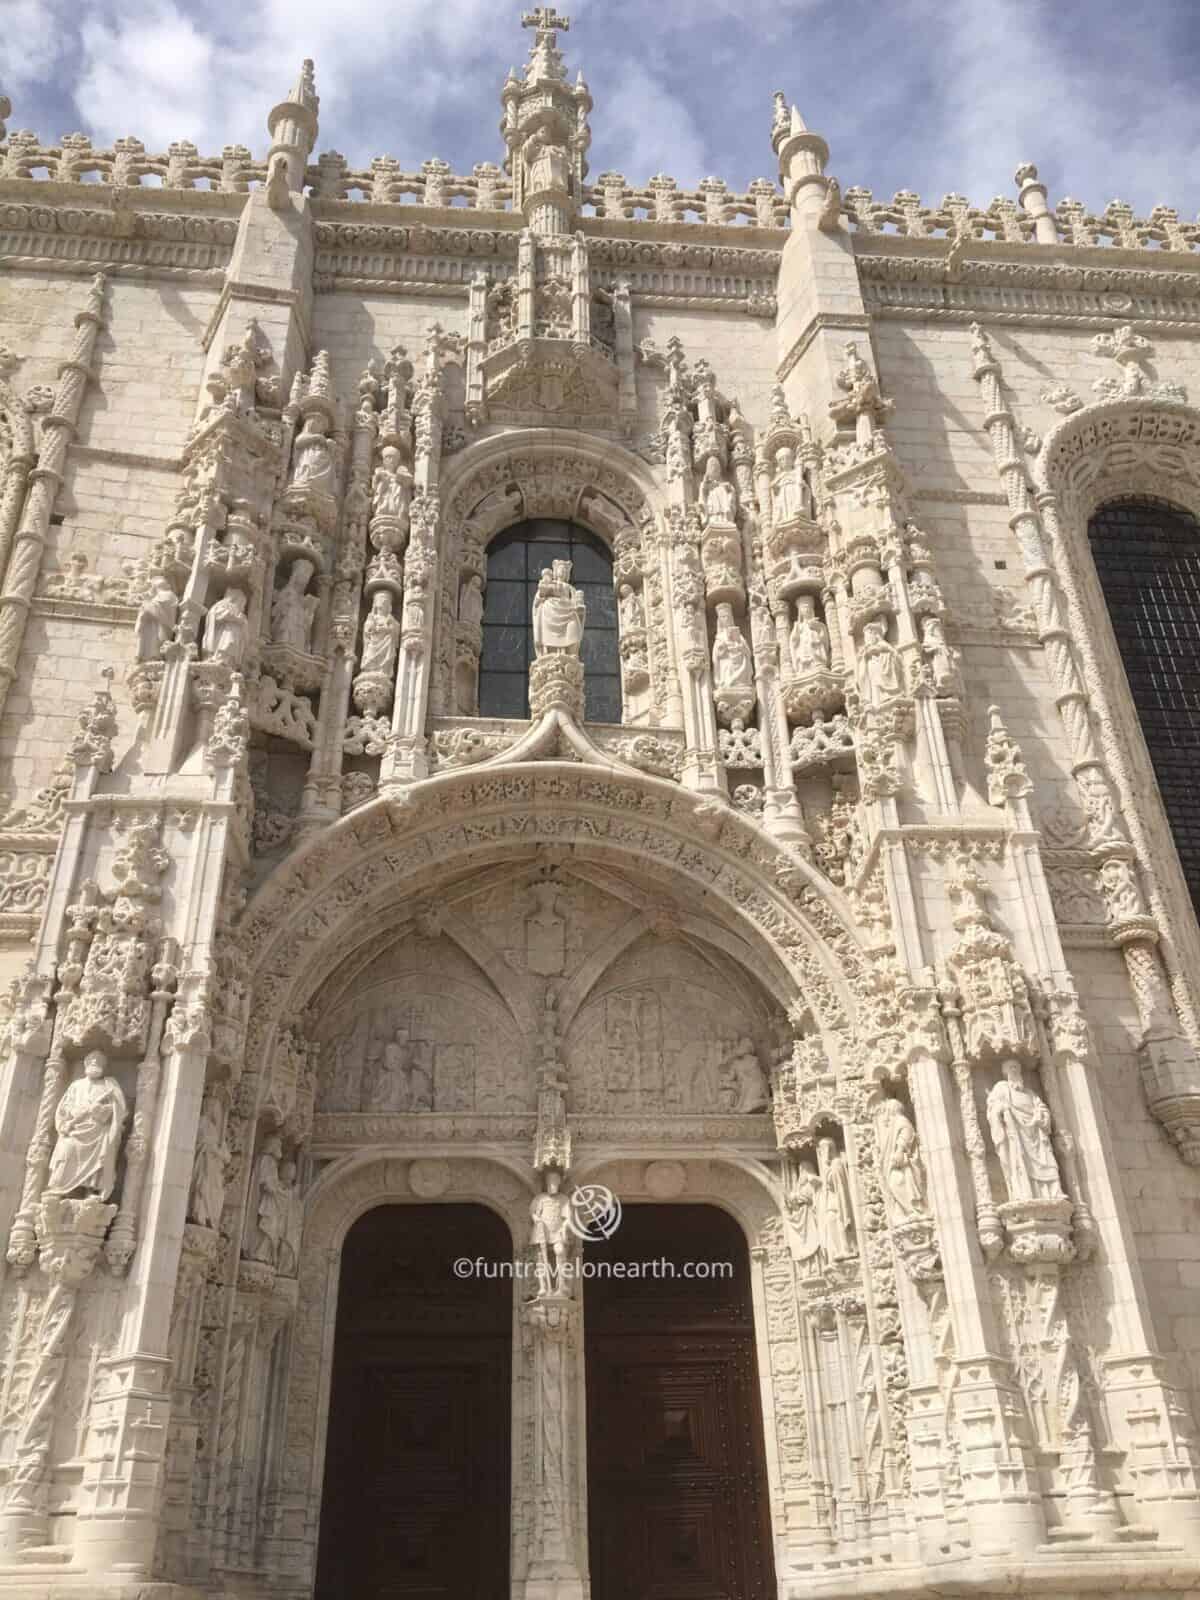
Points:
point(417, 1462)
point(677, 1495)
point(417, 1494)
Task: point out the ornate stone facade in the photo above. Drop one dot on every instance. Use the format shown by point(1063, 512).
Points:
point(864, 922)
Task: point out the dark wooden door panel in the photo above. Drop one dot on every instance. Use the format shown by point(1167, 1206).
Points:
point(419, 1430)
point(677, 1506)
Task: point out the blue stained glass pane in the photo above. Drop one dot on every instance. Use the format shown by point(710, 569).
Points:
point(503, 694)
point(506, 602)
point(506, 559)
point(592, 565)
point(602, 699)
point(601, 604)
point(504, 649)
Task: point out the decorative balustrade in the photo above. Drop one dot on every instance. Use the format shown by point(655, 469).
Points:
point(1005, 220)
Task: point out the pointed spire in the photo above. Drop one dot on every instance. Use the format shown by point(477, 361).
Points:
point(5, 111)
point(305, 92)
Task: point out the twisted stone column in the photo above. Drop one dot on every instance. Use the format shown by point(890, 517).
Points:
point(58, 430)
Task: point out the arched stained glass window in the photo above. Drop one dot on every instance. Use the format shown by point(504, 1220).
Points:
point(1147, 555)
point(515, 561)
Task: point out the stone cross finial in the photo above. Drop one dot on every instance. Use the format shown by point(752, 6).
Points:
point(546, 20)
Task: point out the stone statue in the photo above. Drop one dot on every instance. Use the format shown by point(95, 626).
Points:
point(880, 674)
point(629, 603)
point(1019, 1121)
point(732, 665)
point(156, 619)
point(391, 486)
point(313, 457)
point(718, 495)
point(549, 1212)
point(470, 600)
point(293, 1221)
point(941, 655)
point(835, 1212)
point(801, 1191)
point(809, 638)
point(89, 1120)
point(380, 636)
point(558, 612)
point(293, 611)
point(207, 1194)
point(745, 1084)
point(788, 497)
point(901, 1169)
point(225, 629)
point(268, 1216)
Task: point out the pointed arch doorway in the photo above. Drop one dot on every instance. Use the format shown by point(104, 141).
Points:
point(677, 1488)
point(420, 1432)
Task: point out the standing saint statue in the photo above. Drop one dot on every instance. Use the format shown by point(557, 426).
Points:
point(470, 600)
point(732, 665)
point(558, 612)
point(156, 619)
point(293, 611)
point(1019, 1121)
point(380, 636)
point(225, 629)
point(880, 672)
point(549, 1212)
point(88, 1120)
point(718, 494)
point(901, 1169)
point(266, 1222)
point(801, 1190)
point(207, 1194)
point(835, 1211)
point(809, 638)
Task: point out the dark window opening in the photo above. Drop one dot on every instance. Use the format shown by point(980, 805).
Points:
point(515, 561)
point(1147, 554)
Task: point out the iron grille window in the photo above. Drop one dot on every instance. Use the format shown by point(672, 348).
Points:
point(515, 563)
point(1147, 554)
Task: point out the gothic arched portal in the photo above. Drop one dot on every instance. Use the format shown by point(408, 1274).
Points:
point(515, 561)
point(1147, 555)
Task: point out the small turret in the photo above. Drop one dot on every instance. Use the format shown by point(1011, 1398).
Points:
point(802, 157)
point(292, 125)
point(5, 111)
point(546, 130)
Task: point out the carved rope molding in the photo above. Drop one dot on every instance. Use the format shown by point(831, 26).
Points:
point(1157, 443)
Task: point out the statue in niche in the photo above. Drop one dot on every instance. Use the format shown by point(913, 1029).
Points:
point(744, 1085)
point(288, 1264)
point(470, 600)
point(391, 486)
point(629, 605)
point(835, 1213)
point(1019, 1121)
point(313, 456)
point(559, 612)
point(789, 497)
point(801, 1193)
point(225, 629)
point(901, 1169)
point(880, 674)
point(809, 638)
point(89, 1120)
point(732, 665)
point(941, 656)
point(156, 619)
point(293, 611)
point(546, 163)
point(718, 494)
point(550, 1212)
point(380, 636)
point(207, 1194)
point(268, 1215)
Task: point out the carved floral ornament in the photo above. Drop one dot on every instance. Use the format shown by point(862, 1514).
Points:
point(295, 930)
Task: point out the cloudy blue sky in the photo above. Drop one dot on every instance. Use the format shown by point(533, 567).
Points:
point(933, 95)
